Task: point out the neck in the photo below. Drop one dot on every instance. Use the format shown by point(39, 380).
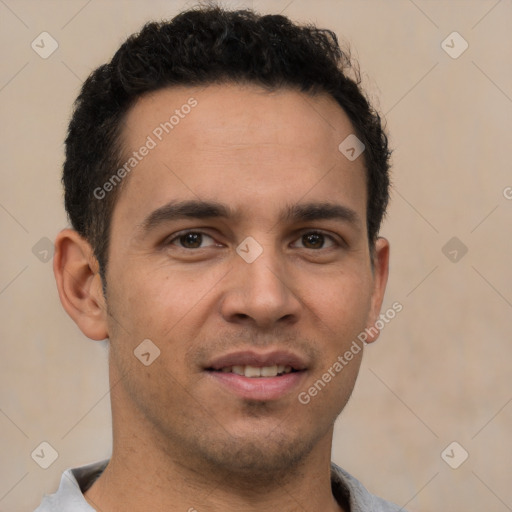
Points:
point(138, 480)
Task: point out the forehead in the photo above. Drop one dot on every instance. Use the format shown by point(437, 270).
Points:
point(237, 143)
point(237, 113)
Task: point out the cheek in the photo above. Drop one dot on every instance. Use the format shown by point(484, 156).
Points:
point(341, 301)
point(155, 300)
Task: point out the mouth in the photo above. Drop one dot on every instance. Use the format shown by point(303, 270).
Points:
point(257, 376)
point(252, 372)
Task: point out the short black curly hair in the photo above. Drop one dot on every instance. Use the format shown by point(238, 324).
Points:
point(203, 46)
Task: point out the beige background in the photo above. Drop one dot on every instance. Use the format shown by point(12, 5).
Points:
point(441, 369)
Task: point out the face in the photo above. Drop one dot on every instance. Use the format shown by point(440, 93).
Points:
point(239, 248)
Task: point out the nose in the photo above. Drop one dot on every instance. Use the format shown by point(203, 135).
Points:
point(260, 293)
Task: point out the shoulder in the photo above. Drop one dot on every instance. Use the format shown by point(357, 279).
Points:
point(69, 496)
point(360, 499)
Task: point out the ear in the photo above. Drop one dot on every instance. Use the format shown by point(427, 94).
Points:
point(79, 283)
point(380, 279)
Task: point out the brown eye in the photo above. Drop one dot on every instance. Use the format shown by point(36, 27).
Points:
point(190, 240)
point(316, 240)
point(313, 240)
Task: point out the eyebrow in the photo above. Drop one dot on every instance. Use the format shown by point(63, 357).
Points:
point(196, 209)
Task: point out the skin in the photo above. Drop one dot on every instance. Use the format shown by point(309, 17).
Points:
point(180, 439)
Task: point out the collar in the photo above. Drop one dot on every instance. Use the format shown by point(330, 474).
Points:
point(348, 491)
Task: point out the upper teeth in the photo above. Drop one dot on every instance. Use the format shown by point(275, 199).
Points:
point(257, 371)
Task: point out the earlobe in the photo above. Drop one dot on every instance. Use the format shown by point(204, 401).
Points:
point(380, 279)
point(79, 284)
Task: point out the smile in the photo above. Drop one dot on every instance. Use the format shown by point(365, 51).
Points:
point(257, 371)
point(258, 376)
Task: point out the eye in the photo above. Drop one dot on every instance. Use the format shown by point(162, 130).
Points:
point(190, 240)
point(196, 240)
point(316, 240)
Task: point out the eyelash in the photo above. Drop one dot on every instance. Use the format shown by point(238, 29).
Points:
point(180, 234)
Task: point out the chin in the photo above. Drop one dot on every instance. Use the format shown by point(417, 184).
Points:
point(265, 457)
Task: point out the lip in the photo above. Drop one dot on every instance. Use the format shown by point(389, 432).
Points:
point(253, 358)
point(258, 388)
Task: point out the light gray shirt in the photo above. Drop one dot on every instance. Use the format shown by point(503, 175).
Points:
point(348, 491)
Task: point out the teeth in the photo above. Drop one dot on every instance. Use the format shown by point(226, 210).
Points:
point(252, 371)
point(268, 371)
point(256, 371)
point(239, 370)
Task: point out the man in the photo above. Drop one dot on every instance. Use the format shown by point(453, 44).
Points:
point(226, 181)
